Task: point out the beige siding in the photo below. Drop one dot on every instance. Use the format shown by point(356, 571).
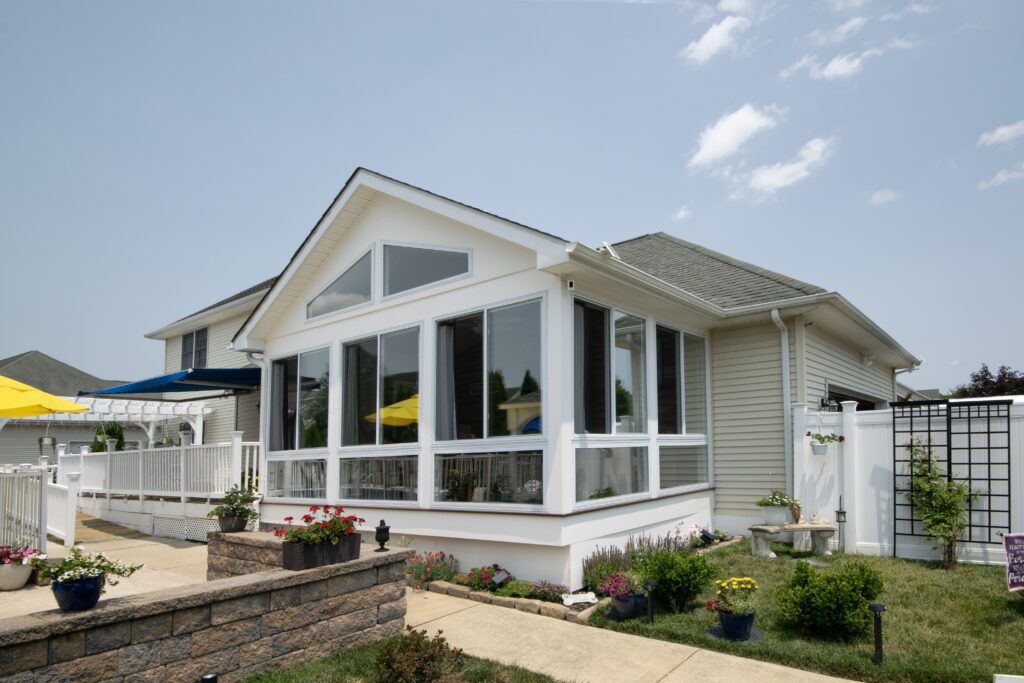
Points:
point(19, 441)
point(831, 361)
point(247, 416)
point(219, 424)
point(746, 392)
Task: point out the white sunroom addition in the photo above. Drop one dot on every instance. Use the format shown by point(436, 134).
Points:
point(480, 385)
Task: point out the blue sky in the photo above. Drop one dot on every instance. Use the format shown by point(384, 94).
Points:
point(157, 157)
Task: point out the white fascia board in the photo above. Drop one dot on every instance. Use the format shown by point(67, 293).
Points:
point(228, 310)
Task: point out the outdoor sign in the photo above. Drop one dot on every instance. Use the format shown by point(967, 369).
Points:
point(1014, 546)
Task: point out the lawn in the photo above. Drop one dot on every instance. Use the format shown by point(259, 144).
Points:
point(941, 627)
point(357, 666)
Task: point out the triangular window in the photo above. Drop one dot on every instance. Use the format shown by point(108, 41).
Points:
point(408, 268)
point(351, 289)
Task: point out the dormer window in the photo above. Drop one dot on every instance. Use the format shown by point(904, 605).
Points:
point(193, 349)
point(407, 268)
point(352, 288)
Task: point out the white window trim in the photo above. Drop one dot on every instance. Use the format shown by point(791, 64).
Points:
point(182, 343)
point(270, 365)
point(347, 309)
point(361, 502)
point(385, 297)
point(457, 444)
point(639, 496)
point(489, 506)
point(289, 456)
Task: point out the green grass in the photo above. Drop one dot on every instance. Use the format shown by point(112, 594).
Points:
point(942, 627)
point(357, 666)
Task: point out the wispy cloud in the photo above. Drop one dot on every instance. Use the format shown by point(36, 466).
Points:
point(766, 180)
point(681, 215)
point(745, 7)
point(842, 66)
point(719, 37)
point(846, 5)
point(728, 134)
point(1002, 134)
point(911, 9)
point(1007, 175)
point(883, 197)
point(840, 33)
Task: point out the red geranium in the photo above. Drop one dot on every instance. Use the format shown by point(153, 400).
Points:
point(327, 523)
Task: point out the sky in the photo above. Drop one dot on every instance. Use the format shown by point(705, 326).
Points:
point(157, 157)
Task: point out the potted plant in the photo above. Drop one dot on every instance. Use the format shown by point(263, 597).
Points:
point(15, 566)
point(624, 590)
point(235, 513)
point(820, 442)
point(775, 507)
point(328, 537)
point(735, 606)
point(78, 579)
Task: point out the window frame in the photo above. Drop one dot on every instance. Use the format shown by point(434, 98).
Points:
point(348, 309)
point(296, 453)
point(292, 456)
point(377, 455)
point(489, 441)
point(379, 449)
point(206, 349)
point(384, 297)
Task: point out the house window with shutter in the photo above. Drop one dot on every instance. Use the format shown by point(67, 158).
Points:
point(193, 349)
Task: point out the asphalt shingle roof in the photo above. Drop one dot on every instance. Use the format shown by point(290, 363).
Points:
point(714, 277)
point(51, 375)
point(266, 284)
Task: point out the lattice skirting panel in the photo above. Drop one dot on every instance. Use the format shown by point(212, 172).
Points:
point(184, 528)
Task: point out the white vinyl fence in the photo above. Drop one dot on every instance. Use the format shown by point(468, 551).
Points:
point(861, 470)
point(32, 506)
point(183, 472)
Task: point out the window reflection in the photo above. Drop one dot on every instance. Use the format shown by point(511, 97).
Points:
point(353, 287)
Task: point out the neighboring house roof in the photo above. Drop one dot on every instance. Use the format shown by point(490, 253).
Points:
point(51, 375)
point(266, 284)
point(911, 394)
point(714, 277)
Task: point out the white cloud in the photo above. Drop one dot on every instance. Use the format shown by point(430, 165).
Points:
point(842, 66)
point(883, 197)
point(1002, 134)
point(717, 38)
point(839, 33)
point(1007, 175)
point(913, 8)
point(725, 136)
point(681, 215)
point(736, 6)
point(846, 5)
point(766, 180)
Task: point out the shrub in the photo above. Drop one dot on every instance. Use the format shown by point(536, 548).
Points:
point(940, 504)
point(638, 547)
point(415, 658)
point(829, 604)
point(425, 567)
point(515, 588)
point(680, 576)
point(483, 578)
point(548, 592)
point(460, 580)
point(601, 564)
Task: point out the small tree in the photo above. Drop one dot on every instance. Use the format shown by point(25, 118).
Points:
point(940, 504)
point(1005, 382)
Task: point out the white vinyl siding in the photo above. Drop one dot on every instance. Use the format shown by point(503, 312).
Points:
point(247, 416)
point(746, 393)
point(19, 441)
point(830, 361)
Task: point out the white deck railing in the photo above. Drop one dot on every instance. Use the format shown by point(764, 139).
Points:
point(175, 472)
point(23, 507)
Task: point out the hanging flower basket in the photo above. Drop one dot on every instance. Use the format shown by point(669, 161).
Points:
point(819, 448)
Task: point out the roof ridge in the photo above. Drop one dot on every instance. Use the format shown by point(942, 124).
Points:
point(4, 362)
point(781, 279)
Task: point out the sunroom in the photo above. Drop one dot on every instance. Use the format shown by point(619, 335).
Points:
point(468, 381)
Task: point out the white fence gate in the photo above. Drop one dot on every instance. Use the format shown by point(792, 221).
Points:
point(861, 470)
point(32, 506)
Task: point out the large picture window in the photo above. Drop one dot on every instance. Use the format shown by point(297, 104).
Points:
point(352, 288)
point(408, 268)
point(299, 393)
point(489, 380)
point(597, 361)
point(695, 384)
point(392, 478)
point(670, 408)
point(610, 472)
point(683, 465)
point(511, 477)
point(297, 479)
point(193, 349)
point(381, 397)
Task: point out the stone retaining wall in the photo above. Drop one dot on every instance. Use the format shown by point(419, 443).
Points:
point(234, 627)
point(245, 553)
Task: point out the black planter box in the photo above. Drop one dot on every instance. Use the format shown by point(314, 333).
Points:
point(297, 556)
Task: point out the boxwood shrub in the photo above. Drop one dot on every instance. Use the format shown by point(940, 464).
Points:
point(829, 604)
point(681, 576)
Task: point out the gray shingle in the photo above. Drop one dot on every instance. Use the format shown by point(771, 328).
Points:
point(44, 372)
point(714, 277)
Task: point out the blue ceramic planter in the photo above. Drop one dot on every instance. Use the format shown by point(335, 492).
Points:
point(628, 607)
point(73, 596)
point(736, 626)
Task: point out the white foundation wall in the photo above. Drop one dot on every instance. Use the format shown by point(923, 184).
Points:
point(161, 518)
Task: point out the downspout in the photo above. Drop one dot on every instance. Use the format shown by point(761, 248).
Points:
point(787, 402)
point(900, 371)
point(261, 363)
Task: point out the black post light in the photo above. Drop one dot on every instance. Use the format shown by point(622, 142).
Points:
point(650, 585)
point(382, 536)
point(877, 608)
point(841, 522)
point(208, 678)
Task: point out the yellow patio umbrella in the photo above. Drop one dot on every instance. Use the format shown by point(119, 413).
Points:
point(21, 400)
point(398, 414)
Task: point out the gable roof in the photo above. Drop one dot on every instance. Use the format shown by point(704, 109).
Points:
point(714, 277)
point(51, 375)
point(266, 284)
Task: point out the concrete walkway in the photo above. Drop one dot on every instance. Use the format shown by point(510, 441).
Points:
point(168, 563)
point(572, 652)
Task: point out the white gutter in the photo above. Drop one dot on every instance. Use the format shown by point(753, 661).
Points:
point(900, 371)
point(787, 403)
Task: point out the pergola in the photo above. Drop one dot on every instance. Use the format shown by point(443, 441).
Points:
point(147, 415)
